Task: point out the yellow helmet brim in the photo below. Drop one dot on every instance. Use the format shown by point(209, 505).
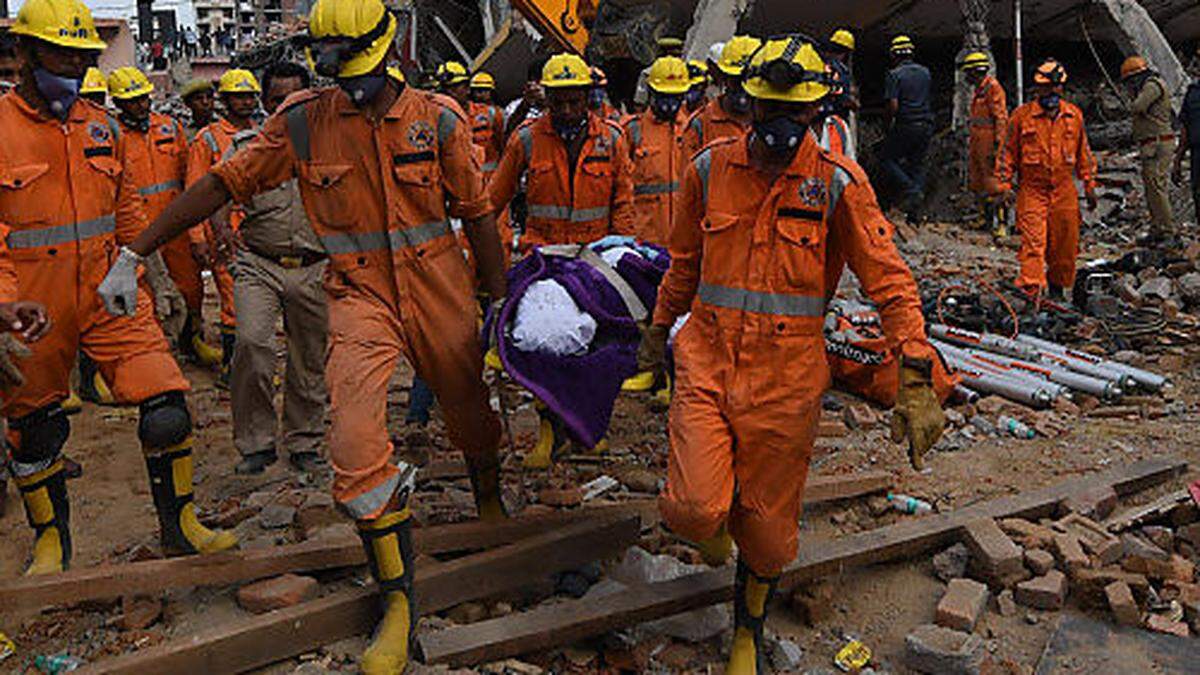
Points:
point(140, 91)
point(805, 92)
point(69, 41)
point(366, 60)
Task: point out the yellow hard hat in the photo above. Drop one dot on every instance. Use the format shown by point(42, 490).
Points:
point(698, 72)
point(128, 82)
point(976, 60)
point(396, 74)
point(483, 80)
point(451, 73)
point(238, 81)
point(902, 44)
point(93, 82)
point(566, 70)
point(369, 26)
point(669, 75)
point(66, 23)
point(195, 86)
point(736, 53)
point(787, 69)
point(842, 38)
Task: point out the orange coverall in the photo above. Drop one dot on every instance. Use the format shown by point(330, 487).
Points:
point(158, 161)
point(566, 205)
point(658, 163)
point(209, 146)
point(989, 119)
point(747, 259)
point(487, 132)
point(8, 273)
point(709, 124)
point(69, 199)
point(1045, 155)
point(398, 285)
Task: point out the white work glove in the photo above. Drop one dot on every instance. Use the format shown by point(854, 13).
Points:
point(169, 306)
point(120, 287)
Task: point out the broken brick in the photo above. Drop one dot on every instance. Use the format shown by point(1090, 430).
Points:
point(962, 605)
point(1039, 562)
point(993, 555)
point(1070, 554)
point(1124, 607)
point(1027, 534)
point(1005, 603)
point(276, 593)
point(1162, 624)
point(1045, 592)
point(561, 497)
point(1096, 503)
point(1190, 534)
point(1094, 538)
point(933, 649)
point(1140, 547)
point(1175, 568)
point(138, 612)
point(951, 563)
point(860, 416)
point(1159, 536)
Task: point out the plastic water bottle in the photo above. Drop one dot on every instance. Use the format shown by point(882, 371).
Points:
point(909, 505)
point(1015, 427)
point(57, 663)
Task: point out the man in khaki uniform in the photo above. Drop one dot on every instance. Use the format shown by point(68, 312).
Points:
point(280, 266)
point(1155, 139)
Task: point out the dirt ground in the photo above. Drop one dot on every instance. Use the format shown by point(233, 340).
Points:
point(113, 518)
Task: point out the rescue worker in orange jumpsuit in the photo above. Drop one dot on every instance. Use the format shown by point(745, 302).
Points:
point(382, 168)
point(729, 113)
point(95, 87)
point(747, 254)
point(657, 150)
point(1045, 151)
point(487, 123)
point(158, 154)
point(70, 200)
point(239, 91)
point(578, 186)
point(988, 122)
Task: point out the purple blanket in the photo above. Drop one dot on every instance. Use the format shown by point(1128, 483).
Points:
point(582, 389)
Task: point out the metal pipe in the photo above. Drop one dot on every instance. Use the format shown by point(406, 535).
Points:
point(1027, 381)
point(988, 383)
point(1017, 34)
point(1105, 389)
point(1143, 378)
point(1031, 349)
point(987, 341)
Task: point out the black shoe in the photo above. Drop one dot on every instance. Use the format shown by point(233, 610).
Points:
point(255, 463)
point(71, 468)
point(307, 462)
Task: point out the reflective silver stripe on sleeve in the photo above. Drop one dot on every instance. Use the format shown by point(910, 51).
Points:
point(363, 242)
point(703, 164)
point(526, 136)
point(757, 302)
point(298, 133)
point(158, 188)
point(655, 188)
point(114, 127)
point(61, 234)
point(490, 166)
point(212, 142)
point(698, 127)
point(556, 212)
point(841, 179)
point(635, 133)
point(446, 124)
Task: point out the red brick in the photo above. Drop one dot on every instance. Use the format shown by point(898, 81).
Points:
point(993, 555)
point(1162, 624)
point(962, 605)
point(1190, 534)
point(138, 612)
point(1092, 536)
point(1045, 592)
point(570, 496)
point(1124, 607)
point(1027, 534)
point(277, 593)
point(1096, 503)
point(1069, 553)
point(1039, 562)
point(1175, 568)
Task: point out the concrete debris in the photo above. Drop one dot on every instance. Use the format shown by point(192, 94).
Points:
point(951, 563)
point(941, 651)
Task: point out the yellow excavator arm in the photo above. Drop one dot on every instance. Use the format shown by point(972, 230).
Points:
point(565, 21)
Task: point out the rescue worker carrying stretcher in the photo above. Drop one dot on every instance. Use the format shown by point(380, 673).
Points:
point(755, 215)
point(382, 167)
point(1045, 151)
point(578, 186)
point(70, 200)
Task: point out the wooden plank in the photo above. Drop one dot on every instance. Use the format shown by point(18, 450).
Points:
point(259, 640)
point(832, 488)
point(150, 576)
point(565, 623)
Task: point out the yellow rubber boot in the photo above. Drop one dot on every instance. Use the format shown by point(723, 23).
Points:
point(485, 484)
point(492, 359)
point(49, 514)
point(751, 595)
point(205, 354)
point(72, 404)
point(550, 441)
point(715, 550)
point(600, 448)
point(388, 543)
point(643, 381)
point(662, 392)
point(181, 533)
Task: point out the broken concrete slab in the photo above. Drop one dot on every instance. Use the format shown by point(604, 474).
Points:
point(933, 649)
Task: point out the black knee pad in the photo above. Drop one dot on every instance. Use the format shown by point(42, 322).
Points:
point(165, 420)
point(43, 434)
